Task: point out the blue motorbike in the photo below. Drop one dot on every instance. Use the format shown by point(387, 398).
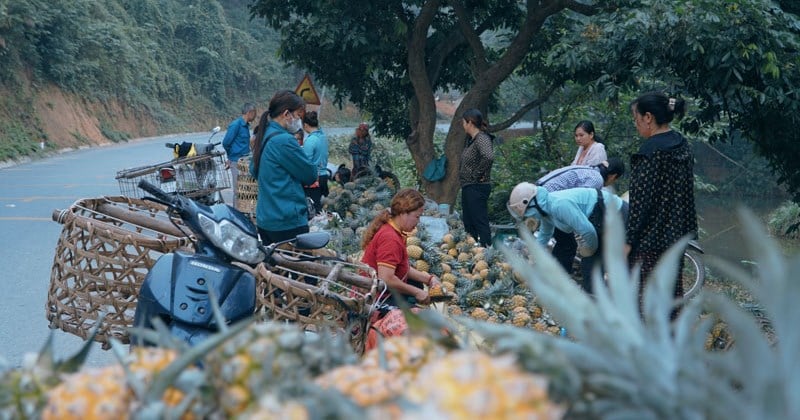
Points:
point(180, 287)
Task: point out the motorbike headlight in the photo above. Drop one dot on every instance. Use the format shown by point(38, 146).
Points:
point(232, 240)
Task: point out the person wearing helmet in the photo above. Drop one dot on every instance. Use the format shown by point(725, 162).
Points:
point(578, 211)
point(603, 175)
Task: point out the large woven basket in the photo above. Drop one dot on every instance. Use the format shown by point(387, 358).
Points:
point(246, 188)
point(106, 247)
point(338, 295)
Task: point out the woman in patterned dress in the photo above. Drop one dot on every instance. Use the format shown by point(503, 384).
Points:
point(662, 207)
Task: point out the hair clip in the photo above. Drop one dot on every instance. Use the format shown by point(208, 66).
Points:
point(672, 104)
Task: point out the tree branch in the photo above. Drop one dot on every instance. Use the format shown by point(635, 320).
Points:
point(525, 108)
point(472, 38)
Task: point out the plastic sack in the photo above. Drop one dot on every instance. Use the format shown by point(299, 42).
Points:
point(435, 227)
point(436, 169)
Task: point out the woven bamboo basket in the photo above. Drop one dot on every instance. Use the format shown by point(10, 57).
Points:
point(336, 294)
point(246, 188)
point(106, 247)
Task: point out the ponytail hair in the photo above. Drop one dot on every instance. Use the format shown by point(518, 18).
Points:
point(663, 108)
point(405, 201)
point(475, 116)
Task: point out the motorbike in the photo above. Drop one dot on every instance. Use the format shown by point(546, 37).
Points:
point(197, 170)
point(192, 177)
point(181, 287)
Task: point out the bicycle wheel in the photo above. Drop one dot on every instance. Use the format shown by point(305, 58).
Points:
point(693, 274)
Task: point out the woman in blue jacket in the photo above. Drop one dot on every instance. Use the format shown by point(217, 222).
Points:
point(281, 168)
point(316, 148)
point(579, 211)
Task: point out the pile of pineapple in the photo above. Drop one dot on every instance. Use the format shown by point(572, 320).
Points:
point(273, 370)
point(483, 283)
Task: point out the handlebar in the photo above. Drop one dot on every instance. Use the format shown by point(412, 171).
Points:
point(156, 192)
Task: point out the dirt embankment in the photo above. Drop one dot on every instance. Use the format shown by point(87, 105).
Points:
point(70, 121)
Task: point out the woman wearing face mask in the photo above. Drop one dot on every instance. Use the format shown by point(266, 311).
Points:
point(281, 168)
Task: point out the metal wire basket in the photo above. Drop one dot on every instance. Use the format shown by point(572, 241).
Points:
point(193, 176)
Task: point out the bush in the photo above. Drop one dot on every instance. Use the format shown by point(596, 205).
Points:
point(785, 221)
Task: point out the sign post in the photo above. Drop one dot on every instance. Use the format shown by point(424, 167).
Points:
point(306, 91)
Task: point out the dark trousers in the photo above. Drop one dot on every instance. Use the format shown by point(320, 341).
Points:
point(565, 249)
point(317, 193)
point(475, 212)
point(588, 263)
point(272, 236)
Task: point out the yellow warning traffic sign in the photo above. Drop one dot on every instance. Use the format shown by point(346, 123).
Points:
point(306, 91)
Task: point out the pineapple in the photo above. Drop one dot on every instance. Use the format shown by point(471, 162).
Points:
point(414, 251)
point(470, 384)
point(448, 287)
point(449, 277)
point(480, 266)
point(521, 319)
point(365, 386)
point(437, 290)
point(93, 393)
point(479, 313)
point(414, 241)
point(23, 390)
point(111, 391)
point(403, 356)
point(274, 357)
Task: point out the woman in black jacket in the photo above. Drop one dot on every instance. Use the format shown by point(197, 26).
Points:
point(662, 207)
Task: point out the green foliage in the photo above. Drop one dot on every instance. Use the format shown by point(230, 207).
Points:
point(785, 221)
point(171, 60)
point(112, 134)
point(517, 160)
point(738, 59)
point(16, 141)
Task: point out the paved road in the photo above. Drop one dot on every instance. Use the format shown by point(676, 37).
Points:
point(29, 193)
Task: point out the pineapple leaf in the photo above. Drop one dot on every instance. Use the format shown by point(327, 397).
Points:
point(78, 359)
point(165, 378)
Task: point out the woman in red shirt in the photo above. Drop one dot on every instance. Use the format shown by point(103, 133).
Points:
point(384, 246)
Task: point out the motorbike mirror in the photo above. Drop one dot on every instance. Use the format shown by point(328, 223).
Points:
point(215, 130)
point(312, 240)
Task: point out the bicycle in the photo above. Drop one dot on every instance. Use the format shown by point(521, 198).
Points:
point(693, 273)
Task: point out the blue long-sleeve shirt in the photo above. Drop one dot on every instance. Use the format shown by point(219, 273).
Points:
point(237, 139)
point(316, 148)
point(569, 211)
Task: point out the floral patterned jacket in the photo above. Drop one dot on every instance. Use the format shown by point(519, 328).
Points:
point(661, 194)
point(476, 160)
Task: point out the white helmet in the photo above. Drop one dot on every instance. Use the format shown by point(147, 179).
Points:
point(520, 199)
